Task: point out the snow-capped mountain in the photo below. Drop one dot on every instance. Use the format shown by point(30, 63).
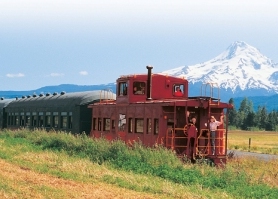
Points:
point(241, 70)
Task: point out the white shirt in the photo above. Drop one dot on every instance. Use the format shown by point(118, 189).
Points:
point(213, 125)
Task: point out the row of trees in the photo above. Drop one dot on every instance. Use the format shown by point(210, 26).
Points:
point(246, 118)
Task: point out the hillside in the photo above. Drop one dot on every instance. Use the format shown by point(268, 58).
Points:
point(27, 183)
point(58, 165)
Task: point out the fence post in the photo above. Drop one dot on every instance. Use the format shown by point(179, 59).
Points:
point(249, 144)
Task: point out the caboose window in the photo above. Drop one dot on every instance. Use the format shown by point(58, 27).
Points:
point(122, 90)
point(106, 124)
point(94, 123)
point(113, 124)
point(122, 122)
point(130, 125)
point(139, 125)
point(139, 88)
point(178, 90)
point(99, 124)
point(156, 129)
point(149, 125)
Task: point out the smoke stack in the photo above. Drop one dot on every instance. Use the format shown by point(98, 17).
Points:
point(149, 82)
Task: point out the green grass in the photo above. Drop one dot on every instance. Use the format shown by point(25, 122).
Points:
point(136, 168)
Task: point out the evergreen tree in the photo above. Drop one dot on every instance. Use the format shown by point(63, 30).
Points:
point(262, 117)
point(271, 121)
point(246, 108)
point(232, 113)
point(249, 121)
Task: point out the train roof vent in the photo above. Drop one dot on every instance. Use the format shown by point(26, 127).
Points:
point(63, 93)
point(41, 95)
point(23, 97)
point(34, 95)
point(55, 93)
point(28, 96)
point(47, 94)
point(2, 98)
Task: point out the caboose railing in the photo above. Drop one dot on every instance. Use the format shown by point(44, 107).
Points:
point(211, 93)
point(172, 138)
point(204, 146)
point(178, 142)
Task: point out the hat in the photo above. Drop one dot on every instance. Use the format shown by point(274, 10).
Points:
point(212, 117)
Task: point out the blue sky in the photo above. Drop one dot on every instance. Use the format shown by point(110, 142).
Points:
point(89, 42)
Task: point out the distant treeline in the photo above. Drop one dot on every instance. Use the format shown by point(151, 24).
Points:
point(245, 118)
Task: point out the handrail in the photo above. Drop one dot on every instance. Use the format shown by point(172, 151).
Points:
point(201, 150)
point(211, 95)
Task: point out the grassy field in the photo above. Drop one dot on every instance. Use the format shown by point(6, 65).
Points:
point(58, 165)
point(261, 141)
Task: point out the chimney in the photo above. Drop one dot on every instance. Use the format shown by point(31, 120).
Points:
point(149, 82)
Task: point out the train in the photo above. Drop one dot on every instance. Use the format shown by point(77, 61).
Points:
point(152, 108)
point(57, 111)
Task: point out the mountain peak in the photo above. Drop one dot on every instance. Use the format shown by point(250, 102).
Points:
point(239, 47)
point(240, 44)
point(240, 67)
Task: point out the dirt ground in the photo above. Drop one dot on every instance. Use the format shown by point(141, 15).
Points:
point(21, 182)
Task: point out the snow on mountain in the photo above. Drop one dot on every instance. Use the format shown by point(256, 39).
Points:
point(239, 67)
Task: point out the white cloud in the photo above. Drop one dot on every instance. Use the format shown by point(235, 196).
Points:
point(57, 74)
point(83, 72)
point(15, 75)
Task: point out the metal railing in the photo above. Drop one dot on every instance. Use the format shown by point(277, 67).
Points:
point(204, 147)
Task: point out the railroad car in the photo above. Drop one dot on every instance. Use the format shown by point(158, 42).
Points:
point(155, 109)
point(58, 111)
point(3, 115)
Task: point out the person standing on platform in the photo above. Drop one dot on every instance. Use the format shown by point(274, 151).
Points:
point(213, 128)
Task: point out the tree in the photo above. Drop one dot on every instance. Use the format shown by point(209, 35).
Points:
point(232, 113)
point(262, 117)
point(271, 121)
point(246, 108)
point(249, 121)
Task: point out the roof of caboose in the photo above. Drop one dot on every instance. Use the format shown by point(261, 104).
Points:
point(145, 76)
point(58, 100)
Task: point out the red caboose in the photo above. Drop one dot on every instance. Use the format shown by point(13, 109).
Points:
point(155, 109)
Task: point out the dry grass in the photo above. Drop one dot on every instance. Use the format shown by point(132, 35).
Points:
point(38, 179)
point(261, 141)
point(260, 171)
point(21, 182)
